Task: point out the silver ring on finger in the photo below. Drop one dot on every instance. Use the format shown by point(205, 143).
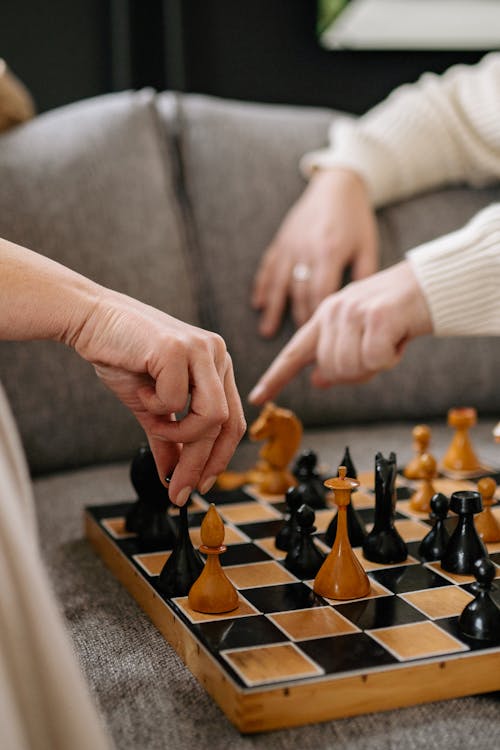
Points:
point(301, 272)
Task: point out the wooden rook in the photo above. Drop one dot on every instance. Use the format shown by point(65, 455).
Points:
point(487, 525)
point(460, 456)
point(427, 471)
point(342, 576)
point(212, 593)
point(421, 434)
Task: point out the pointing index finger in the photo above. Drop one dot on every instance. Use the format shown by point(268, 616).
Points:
point(299, 352)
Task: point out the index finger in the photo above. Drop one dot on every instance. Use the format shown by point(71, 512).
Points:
point(299, 352)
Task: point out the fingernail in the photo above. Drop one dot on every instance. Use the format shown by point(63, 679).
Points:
point(256, 393)
point(183, 495)
point(207, 485)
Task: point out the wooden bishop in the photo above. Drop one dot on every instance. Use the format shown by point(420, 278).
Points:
point(342, 576)
point(427, 471)
point(212, 593)
point(421, 434)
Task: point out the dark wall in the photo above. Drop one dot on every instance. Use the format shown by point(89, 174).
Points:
point(260, 50)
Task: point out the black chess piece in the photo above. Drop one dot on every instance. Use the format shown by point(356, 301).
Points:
point(355, 526)
point(289, 533)
point(383, 543)
point(184, 565)
point(148, 517)
point(304, 470)
point(481, 617)
point(433, 545)
point(305, 559)
point(465, 545)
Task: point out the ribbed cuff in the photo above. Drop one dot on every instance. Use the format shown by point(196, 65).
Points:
point(460, 277)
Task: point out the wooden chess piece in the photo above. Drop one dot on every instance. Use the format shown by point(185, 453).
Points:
point(185, 563)
point(304, 471)
point(282, 432)
point(433, 545)
point(342, 576)
point(288, 536)
point(148, 517)
point(487, 525)
point(305, 559)
point(355, 524)
point(421, 434)
point(481, 617)
point(465, 545)
point(460, 456)
point(212, 593)
point(427, 470)
point(383, 544)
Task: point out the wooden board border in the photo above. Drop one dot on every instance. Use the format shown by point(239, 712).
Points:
point(253, 710)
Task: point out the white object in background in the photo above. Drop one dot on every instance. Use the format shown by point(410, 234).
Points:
point(416, 24)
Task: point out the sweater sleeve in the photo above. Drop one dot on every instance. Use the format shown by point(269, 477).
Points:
point(439, 131)
point(460, 276)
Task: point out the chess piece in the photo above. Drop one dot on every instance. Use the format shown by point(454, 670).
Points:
point(487, 525)
point(148, 517)
point(213, 593)
point(465, 545)
point(305, 559)
point(427, 470)
point(481, 617)
point(433, 545)
point(289, 533)
point(355, 525)
point(342, 576)
point(421, 434)
point(184, 565)
point(282, 432)
point(305, 473)
point(383, 544)
point(460, 456)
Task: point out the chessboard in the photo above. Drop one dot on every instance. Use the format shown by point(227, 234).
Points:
point(286, 656)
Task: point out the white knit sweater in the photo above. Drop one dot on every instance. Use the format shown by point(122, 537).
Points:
point(442, 130)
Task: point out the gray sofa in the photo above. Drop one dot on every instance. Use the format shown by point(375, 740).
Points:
point(172, 199)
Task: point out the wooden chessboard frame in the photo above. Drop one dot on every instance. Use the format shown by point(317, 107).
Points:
point(299, 701)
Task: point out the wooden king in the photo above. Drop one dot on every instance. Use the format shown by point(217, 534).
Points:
point(342, 576)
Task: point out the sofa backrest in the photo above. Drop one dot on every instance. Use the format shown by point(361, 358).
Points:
point(240, 165)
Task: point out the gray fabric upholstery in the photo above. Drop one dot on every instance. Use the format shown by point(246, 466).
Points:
point(90, 185)
point(240, 167)
point(149, 699)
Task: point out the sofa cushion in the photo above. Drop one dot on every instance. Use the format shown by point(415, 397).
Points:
point(90, 185)
point(240, 166)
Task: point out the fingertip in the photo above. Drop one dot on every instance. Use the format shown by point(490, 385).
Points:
point(258, 394)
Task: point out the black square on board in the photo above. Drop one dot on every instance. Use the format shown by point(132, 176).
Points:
point(261, 530)
point(283, 597)
point(242, 554)
point(241, 632)
point(344, 653)
point(223, 497)
point(408, 578)
point(450, 624)
point(379, 612)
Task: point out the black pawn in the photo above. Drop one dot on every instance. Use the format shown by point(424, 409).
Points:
point(481, 618)
point(355, 526)
point(304, 559)
point(314, 491)
point(465, 545)
point(184, 565)
point(433, 545)
point(289, 533)
point(148, 517)
point(383, 544)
